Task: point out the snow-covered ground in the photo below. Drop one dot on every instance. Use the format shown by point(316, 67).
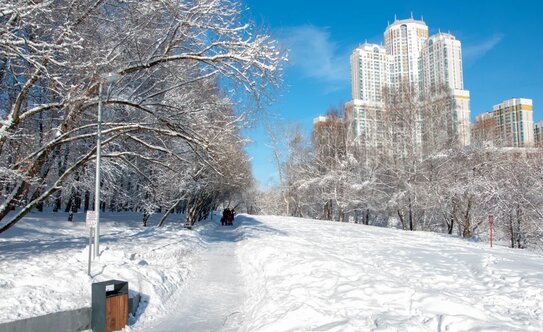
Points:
point(312, 275)
point(275, 274)
point(44, 259)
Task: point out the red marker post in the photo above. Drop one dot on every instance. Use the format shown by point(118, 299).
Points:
point(490, 223)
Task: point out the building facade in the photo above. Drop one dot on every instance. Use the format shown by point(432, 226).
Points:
point(329, 139)
point(441, 59)
point(370, 74)
point(365, 122)
point(514, 123)
point(538, 134)
point(442, 74)
point(483, 132)
point(404, 41)
point(431, 68)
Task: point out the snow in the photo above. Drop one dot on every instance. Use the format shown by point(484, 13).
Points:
point(43, 262)
point(215, 293)
point(271, 273)
point(310, 275)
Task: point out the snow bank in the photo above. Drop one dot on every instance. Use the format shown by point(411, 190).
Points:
point(43, 263)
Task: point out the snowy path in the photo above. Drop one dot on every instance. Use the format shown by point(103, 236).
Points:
point(213, 297)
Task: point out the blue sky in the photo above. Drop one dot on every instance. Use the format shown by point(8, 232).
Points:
point(501, 44)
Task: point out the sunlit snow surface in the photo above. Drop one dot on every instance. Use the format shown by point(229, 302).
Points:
point(275, 274)
point(312, 275)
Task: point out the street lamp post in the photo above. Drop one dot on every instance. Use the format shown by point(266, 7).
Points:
point(109, 77)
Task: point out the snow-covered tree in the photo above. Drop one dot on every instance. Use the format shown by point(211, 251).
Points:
point(172, 57)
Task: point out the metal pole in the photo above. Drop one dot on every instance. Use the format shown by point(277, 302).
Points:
point(98, 159)
point(90, 250)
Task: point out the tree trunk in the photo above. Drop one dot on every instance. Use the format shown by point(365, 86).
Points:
point(69, 204)
point(410, 215)
point(146, 216)
point(35, 195)
point(511, 230)
point(47, 193)
point(15, 196)
point(450, 226)
point(341, 215)
point(467, 220)
point(519, 233)
point(165, 216)
point(402, 220)
point(58, 202)
point(325, 211)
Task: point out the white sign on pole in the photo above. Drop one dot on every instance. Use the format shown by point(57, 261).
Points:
point(90, 220)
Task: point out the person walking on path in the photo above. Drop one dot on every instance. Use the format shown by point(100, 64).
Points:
point(225, 216)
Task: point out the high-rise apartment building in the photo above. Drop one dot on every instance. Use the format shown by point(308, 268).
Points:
point(370, 74)
point(430, 66)
point(365, 121)
point(442, 75)
point(404, 41)
point(514, 122)
point(441, 60)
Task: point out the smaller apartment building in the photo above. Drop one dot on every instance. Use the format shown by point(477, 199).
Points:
point(483, 131)
point(514, 123)
point(510, 124)
point(538, 134)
